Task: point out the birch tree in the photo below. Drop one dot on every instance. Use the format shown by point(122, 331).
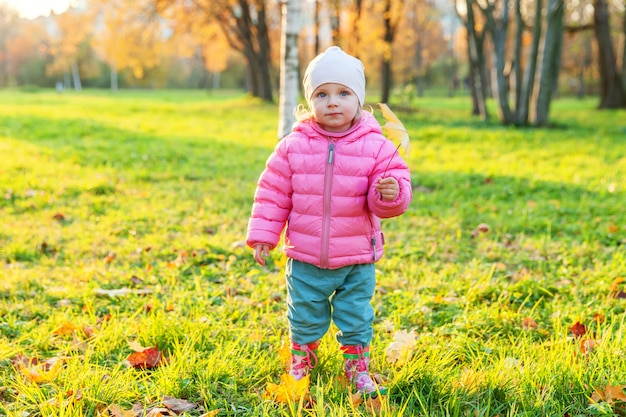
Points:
point(8, 19)
point(288, 96)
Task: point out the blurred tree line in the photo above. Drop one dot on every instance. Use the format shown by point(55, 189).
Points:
point(516, 51)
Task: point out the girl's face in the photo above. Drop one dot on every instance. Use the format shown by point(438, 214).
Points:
point(334, 107)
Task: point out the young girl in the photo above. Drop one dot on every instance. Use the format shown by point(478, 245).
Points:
point(327, 184)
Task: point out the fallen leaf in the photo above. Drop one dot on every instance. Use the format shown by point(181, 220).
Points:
point(119, 292)
point(284, 354)
point(587, 346)
point(609, 394)
point(289, 390)
point(212, 413)
point(578, 329)
point(41, 372)
point(402, 346)
point(65, 329)
point(115, 410)
point(528, 323)
point(136, 346)
point(146, 359)
point(178, 405)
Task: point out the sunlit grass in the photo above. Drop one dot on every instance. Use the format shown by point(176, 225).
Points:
point(152, 191)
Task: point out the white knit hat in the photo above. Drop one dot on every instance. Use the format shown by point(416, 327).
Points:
point(335, 66)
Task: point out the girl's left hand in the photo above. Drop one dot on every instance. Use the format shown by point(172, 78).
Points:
point(388, 188)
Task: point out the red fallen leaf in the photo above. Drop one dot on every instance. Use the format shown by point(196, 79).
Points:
point(59, 216)
point(147, 359)
point(578, 329)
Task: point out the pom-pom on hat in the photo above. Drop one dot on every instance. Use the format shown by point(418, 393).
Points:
point(335, 66)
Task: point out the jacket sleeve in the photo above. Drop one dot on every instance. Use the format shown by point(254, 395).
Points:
point(390, 164)
point(272, 200)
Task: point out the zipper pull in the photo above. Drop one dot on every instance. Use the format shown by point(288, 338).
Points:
point(331, 153)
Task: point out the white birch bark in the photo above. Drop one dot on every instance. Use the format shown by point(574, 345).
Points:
point(288, 96)
point(76, 76)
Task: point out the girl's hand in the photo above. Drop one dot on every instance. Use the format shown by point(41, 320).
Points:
point(388, 188)
point(261, 251)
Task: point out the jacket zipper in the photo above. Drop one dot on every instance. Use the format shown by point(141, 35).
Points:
point(374, 246)
point(328, 180)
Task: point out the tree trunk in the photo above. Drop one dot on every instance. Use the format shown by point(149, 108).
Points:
point(476, 64)
point(517, 61)
point(611, 87)
point(528, 83)
point(419, 64)
point(386, 75)
point(249, 36)
point(498, 32)
point(263, 55)
point(551, 61)
point(317, 26)
point(76, 77)
point(114, 84)
point(356, 38)
point(288, 98)
point(624, 51)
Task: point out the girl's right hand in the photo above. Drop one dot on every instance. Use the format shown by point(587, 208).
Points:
point(261, 251)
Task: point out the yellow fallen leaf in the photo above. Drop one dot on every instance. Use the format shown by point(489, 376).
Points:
point(65, 329)
point(289, 390)
point(402, 346)
point(284, 353)
point(44, 372)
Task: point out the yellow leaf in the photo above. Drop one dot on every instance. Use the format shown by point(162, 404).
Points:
point(284, 353)
point(212, 413)
point(394, 129)
point(402, 346)
point(289, 390)
point(44, 372)
point(65, 329)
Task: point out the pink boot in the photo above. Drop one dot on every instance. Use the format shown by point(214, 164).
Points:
point(356, 366)
point(303, 359)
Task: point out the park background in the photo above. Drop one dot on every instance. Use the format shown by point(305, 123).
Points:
point(125, 288)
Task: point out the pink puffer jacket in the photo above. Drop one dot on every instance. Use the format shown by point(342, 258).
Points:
point(321, 186)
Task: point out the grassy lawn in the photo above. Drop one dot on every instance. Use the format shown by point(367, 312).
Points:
point(122, 222)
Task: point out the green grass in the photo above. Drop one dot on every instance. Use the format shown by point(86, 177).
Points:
point(102, 191)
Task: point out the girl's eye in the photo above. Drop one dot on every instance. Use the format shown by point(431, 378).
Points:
point(321, 95)
point(344, 93)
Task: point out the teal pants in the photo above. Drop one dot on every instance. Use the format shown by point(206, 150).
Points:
point(316, 296)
